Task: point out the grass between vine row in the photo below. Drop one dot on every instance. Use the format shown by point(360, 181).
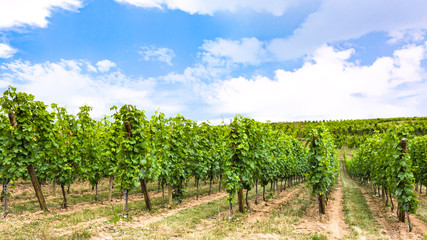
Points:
point(27, 222)
point(357, 212)
point(86, 222)
point(212, 220)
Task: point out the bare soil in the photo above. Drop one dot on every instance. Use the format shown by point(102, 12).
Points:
point(391, 227)
point(331, 224)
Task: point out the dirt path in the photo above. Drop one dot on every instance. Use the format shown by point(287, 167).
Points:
point(335, 215)
point(392, 228)
point(332, 224)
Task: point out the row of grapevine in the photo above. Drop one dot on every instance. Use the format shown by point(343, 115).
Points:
point(418, 151)
point(260, 153)
point(353, 133)
point(383, 161)
point(323, 165)
point(131, 150)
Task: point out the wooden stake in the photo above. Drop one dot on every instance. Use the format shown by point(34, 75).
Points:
point(110, 188)
point(96, 192)
point(54, 187)
point(126, 200)
point(256, 192)
point(37, 188)
point(246, 199)
point(170, 194)
point(240, 199)
point(145, 192)
point(163, 195)
point(197, 188)
point(5, 187)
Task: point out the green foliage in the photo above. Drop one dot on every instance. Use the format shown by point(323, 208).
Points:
point(353, 133)
point(382, 160)
point(417, 149)
point(317, 237)
point(322, 160)
point(135, 159)
point(63, 158)
point(260, 152)
point(24, 144)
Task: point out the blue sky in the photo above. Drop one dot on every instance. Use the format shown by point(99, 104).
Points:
point(279, 60)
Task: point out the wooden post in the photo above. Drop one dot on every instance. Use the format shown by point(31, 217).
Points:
point(54, 187)
point(5, 187)
point(37, 188)
point(127, 200)
point(382, 193)
point(145, 192)
point(170, 194)
point(128, 128)
point(246, 199)
point(197, 188)
point(386, 194)
point(31, 172)
point(322, 204)
point(263, 193)
point(96, 192)
point(163, 195)
point(401, 211)
point(110, 188)
point(210, 186)
point(240, 199)
point(256, 192)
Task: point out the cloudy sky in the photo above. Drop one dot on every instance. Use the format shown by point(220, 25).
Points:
point(279, 60)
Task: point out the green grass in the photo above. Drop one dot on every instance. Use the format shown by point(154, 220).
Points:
point(357, 212)
point(279, 223)
point(84, 194)
point(422, 209)
point(42, 227)
point(302, 203)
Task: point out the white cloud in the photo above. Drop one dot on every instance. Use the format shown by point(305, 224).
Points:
point(245, 51)
point(218, 59)
point(338, 20)
point(72, 84)
point(329, 86)
point(104, 65)
point(275, 7)
point(6, 51)
point(334, 21)
point(406, 36)
point(19, 13)
point(152, 53)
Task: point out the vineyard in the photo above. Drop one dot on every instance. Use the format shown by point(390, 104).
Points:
point(130, 176)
